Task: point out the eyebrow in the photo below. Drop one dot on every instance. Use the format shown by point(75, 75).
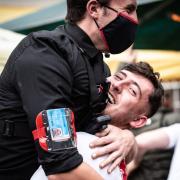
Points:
point(135, 83)
point(132, 6)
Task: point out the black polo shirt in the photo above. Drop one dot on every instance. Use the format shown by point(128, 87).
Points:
point(46, 70)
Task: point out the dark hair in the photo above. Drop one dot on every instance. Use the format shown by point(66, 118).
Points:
point(144, 69)
point(76, 9)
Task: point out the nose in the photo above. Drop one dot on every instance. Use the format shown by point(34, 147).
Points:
point(118, 86)
point(135, 17)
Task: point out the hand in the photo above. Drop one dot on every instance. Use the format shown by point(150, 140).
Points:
point(134, 164)
point(115, 143)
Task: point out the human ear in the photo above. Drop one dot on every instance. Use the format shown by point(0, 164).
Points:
point(93, 8)
point(140, 122)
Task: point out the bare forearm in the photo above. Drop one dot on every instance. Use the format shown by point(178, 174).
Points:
point(156, 139)
point(82, 172)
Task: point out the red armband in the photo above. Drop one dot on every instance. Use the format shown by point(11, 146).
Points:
point(55, 129)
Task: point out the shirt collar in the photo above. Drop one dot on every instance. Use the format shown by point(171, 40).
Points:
point(82, 39)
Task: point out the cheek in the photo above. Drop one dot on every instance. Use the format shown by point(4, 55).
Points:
point(117, 112)
point(121, 119)
point(126, 100)
point(128, 105)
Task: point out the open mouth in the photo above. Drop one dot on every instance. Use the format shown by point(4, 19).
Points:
point(111, 99)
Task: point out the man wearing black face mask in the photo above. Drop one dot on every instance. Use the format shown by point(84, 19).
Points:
point(119, 33)
point(62, 68)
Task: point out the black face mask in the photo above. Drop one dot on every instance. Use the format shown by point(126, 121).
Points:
point(119, 34)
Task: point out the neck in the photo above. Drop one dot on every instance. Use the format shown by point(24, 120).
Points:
point(122, 126)
point(90, 28)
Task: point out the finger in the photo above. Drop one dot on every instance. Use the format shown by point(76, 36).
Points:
point(103, 133)
point(100, 141)
point(104, 150)
point(115, 164)
point(111, 159)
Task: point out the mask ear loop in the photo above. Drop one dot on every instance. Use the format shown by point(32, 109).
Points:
point(108, 7)
point(118, 13)
point(96, 23)
point(102, 35)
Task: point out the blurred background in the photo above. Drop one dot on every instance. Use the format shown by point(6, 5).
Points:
point(157, 42)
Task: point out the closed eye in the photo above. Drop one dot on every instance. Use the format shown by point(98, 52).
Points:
point(120, 76)
point(132, 91)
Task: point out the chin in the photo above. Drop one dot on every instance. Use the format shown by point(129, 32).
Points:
point(107, 109)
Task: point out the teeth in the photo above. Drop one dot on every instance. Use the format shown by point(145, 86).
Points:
point(111, 99)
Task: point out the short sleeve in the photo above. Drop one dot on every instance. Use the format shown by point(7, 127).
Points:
point(173, 134)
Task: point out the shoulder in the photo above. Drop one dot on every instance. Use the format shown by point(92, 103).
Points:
point(57, 41)
point(56, 38)
point(45, 45)
point(83, 140)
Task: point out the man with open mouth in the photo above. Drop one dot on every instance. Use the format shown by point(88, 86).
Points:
point(135, 94)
